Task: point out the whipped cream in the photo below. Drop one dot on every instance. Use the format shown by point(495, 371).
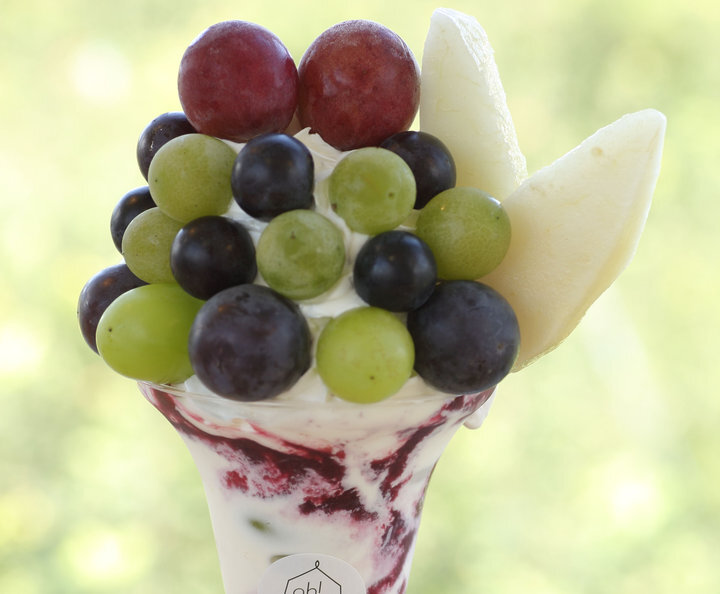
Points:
point(339, 298)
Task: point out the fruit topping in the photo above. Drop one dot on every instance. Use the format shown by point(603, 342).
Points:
point(144, 333)
point(237, 81)
point(463, 102)
point(359, 84)
point(301, 254)
point(365, 354)
point(98, 293)
point(190, 177)
point(466, 337)
point(130, 205)
point(273, 173)
point(249, 343)
point(393, 259)
point(395, 270)
point(372, 189)
point(467, 230)
point(576, 224)
point(147, 243)
point(212, 253)
point(163, 128)
point(429, 159)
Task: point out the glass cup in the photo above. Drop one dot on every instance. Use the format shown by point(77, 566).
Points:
point(330, 478)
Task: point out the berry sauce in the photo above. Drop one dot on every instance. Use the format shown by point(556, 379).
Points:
point(359, 498)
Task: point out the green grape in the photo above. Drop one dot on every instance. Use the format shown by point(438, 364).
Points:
point(143, 334)
point(372, 189)
point(467, 230)
point(301, 254)
point(146, 245)
point(365, 354)
point(189, 177)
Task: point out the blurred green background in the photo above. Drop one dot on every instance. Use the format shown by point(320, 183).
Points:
point(597, 471)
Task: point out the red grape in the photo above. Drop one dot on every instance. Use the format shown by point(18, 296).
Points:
point(237, 80)
point(359, 84)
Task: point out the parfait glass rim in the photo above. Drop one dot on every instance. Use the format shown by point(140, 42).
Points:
point(301, 403)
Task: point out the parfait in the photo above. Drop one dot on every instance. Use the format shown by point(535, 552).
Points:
point(317, 297)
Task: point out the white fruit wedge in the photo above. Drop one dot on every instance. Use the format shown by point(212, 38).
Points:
point(463, 103)
point(575, 227)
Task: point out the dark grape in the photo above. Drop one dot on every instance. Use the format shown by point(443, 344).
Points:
point(273, 173)
point(98, 293)
point(212, 253)
point(395, 270)
point(466, 337)
point(250, 343)
point(130, 205)
point(163, 128)
point(428, 158)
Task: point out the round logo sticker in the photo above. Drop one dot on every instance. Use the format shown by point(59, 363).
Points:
point(309, 573)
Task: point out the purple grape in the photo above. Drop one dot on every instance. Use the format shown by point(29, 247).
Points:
point(212, 253)
point(250, 343)
point(130, 205)
point(429, 159)
point(466, 337)
point(98, 293)
point(163, 128)
point(273, 173)
point(395, 270)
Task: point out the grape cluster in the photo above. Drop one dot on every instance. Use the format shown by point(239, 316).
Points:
point(201, 292)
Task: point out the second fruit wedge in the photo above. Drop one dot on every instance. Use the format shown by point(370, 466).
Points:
point(575, 226)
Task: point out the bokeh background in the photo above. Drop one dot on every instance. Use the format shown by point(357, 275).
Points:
point(597, 471)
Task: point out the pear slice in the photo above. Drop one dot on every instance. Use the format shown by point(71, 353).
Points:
point(462, 102)
point(575, 226)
